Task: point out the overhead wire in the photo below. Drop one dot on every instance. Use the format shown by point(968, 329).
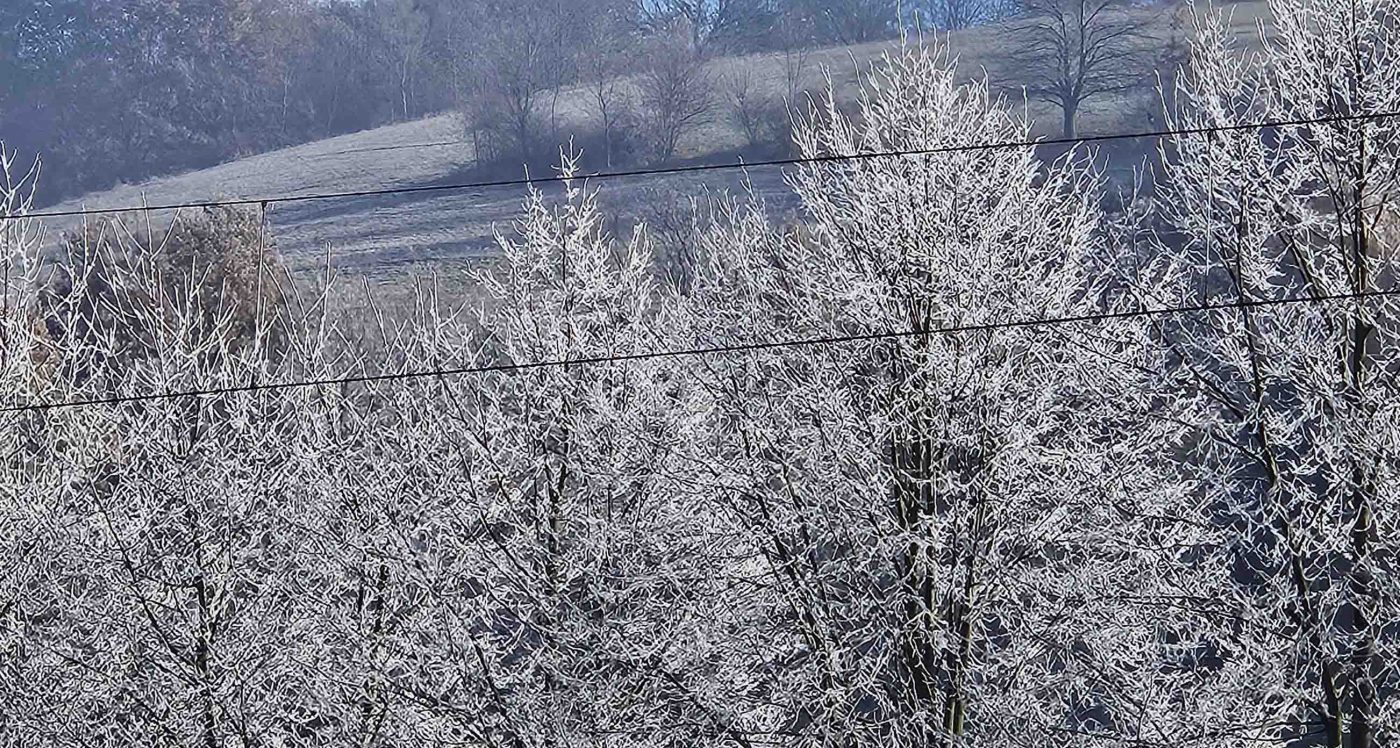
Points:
point(701, 168)
point(705, 351)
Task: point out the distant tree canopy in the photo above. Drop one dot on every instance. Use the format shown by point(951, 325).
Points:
point(118, 91)
point(113, 91)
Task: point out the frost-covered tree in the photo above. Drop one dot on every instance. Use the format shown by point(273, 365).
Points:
point(161, 602)
point(849, 483)
point(563, 520)
point(1295, 403)
point(943, 531)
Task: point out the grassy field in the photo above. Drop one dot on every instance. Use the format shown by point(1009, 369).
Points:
point(384, 237)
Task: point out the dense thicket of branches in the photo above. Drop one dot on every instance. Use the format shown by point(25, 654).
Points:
point(1167, 530)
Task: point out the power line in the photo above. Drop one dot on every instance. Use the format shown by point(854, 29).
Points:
point(698, 168)
point(706, 351)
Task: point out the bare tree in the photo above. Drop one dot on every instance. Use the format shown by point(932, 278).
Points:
point(747, 105)
point(677, 92)
point(521, 68)
point(848, 21)
point(604, 63)
point(795, 39)
point(403, 28)
point(1071, 52)
point(761, 110)
point(710, 23)
point(955, 15)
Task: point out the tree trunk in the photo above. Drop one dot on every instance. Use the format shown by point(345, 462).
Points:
point(201, 663)
point(912, 506)
point(1070, 110)
point(1362, 585)
point(913, 457)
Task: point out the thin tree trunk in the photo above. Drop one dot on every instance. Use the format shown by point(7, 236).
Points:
point(201, 662)
point(1361, 583)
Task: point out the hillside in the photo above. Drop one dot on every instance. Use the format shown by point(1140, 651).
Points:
point(383, 236)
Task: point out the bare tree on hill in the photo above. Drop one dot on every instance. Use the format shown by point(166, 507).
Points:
point(849, 21)
point(1071, 52)
point(676, 91)
point(710, 22)
point(521, 68)
point(603, 64)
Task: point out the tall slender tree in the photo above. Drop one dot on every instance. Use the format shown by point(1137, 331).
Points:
point(947, 555)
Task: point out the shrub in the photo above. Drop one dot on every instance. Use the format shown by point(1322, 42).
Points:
point(95, 321)
point(224, 265)
point(111, 291)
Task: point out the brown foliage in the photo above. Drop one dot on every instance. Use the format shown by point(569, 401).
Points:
point(222, 264)
point(112, 291)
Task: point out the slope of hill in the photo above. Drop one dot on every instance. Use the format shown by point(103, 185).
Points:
point(381, 235)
